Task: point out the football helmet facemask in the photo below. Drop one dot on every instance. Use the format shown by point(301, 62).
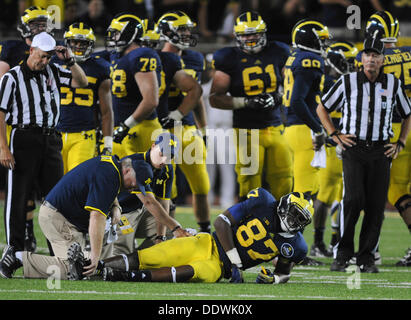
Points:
point(250, 32)
point(386, 26)
point(122, 31)
point(151, 37)
point(34, 20)
point(310, 35)
point(295, 212)
point(341, 57)
point(177, 28)
point(80, 39)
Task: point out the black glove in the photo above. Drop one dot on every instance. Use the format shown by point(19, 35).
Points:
point(167, 122)
point(236, 275)
point(120, 133)
point(319, 140)
point(263, 101)
point(329, 142)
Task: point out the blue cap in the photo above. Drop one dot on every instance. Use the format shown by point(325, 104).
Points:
point(144, 174)
point(168, 143)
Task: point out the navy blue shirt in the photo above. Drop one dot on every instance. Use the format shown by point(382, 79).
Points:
point(251, 75)
point(14, 52)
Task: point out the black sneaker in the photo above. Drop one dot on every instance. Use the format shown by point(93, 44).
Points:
point(9, 263)
point(307, 261)
point(319, 250)
point(110, 274)
point(76, 261)
point(338, 266)
point(369, 268)
point(406, 260)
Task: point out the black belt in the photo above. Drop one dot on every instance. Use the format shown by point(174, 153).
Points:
point(369, 143)
point(34, 129)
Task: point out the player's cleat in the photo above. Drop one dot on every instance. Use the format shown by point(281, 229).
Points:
point(307, 261)
point(9, 263)
point(110, 274)
point(320, 251)
point(406, 260)
point(76, 261)
point(338, 266)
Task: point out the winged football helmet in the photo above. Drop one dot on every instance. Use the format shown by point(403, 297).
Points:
point(80, 39)
point(33, 21)
point(386, 26)
point(341, 57)
point(151, 37)
point(250, 32)
point(310, 35)
point(295, 212)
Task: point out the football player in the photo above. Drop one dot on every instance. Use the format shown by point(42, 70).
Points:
point(79, 106)
point(247, 234)
point(136, 79)
point(247, 81)
point(176, 28)
point(304, 72)
point(340, 59)
point(397, 61)
point(34, 20)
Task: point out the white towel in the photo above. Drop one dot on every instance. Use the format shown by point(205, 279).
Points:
point(320, 156)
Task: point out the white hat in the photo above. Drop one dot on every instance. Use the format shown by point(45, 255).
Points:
point(43, 41)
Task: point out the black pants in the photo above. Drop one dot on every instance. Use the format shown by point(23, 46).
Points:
point(366, 175)
point(38, 159)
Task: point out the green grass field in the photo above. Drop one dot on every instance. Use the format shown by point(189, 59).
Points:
point(306, 283)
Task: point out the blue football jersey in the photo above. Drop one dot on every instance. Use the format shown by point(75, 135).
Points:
point(257, 233)
point(308, 68)
point(251, 75)
point(126, 94)
point(160, 186)
point(194, 65)
point(92, 185)
point(171, 63)
point(80, 105)
point(14, 52)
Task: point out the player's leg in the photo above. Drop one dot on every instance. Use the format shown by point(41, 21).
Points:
point(82, 148)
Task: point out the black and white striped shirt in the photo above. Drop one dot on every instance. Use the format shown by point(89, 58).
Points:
point(33, 98)
point(367, 108)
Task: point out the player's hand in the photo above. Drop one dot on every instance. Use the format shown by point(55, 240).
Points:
point(263, 101)
point(180, 233)
point(319, 140)
point(120, 133)
point(236, 275)
point(265, 276)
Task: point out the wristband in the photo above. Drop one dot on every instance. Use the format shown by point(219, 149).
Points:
point(276, 279)
point(177, 227)
point(130, 122)
point(70, 62)
point(238, 102)
point(234, 257)
point(400, 143)
point(108, 142)
point(176, 115)
point(162, 238)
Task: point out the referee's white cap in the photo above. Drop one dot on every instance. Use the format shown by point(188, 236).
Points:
point(43, 41)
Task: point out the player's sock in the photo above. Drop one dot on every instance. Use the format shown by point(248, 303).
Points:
point(318, 235)
point(205, 226)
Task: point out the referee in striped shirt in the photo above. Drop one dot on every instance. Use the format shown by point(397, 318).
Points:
point(367, 99)
point(30, 103)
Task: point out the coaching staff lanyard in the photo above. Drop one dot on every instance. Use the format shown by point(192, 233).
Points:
point(31, 103)
point(367, 109)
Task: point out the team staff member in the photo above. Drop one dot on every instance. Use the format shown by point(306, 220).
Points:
point(136, 79)
point(30, 102)
point(12, 53)
point(80, 204)
point(141, 223)
point(397, 61)
point(246, 80)
point(79, 106)
point(367, 99)
point(209, 258)
point(176, 29)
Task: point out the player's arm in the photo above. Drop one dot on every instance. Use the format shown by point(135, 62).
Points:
point(4, 67)
point(161, 229)
point(106, 110)
point(282, 272)
point(218, 93)
point(96, 232)
point(191, 87)
point(161, 215)
point(200, 116)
